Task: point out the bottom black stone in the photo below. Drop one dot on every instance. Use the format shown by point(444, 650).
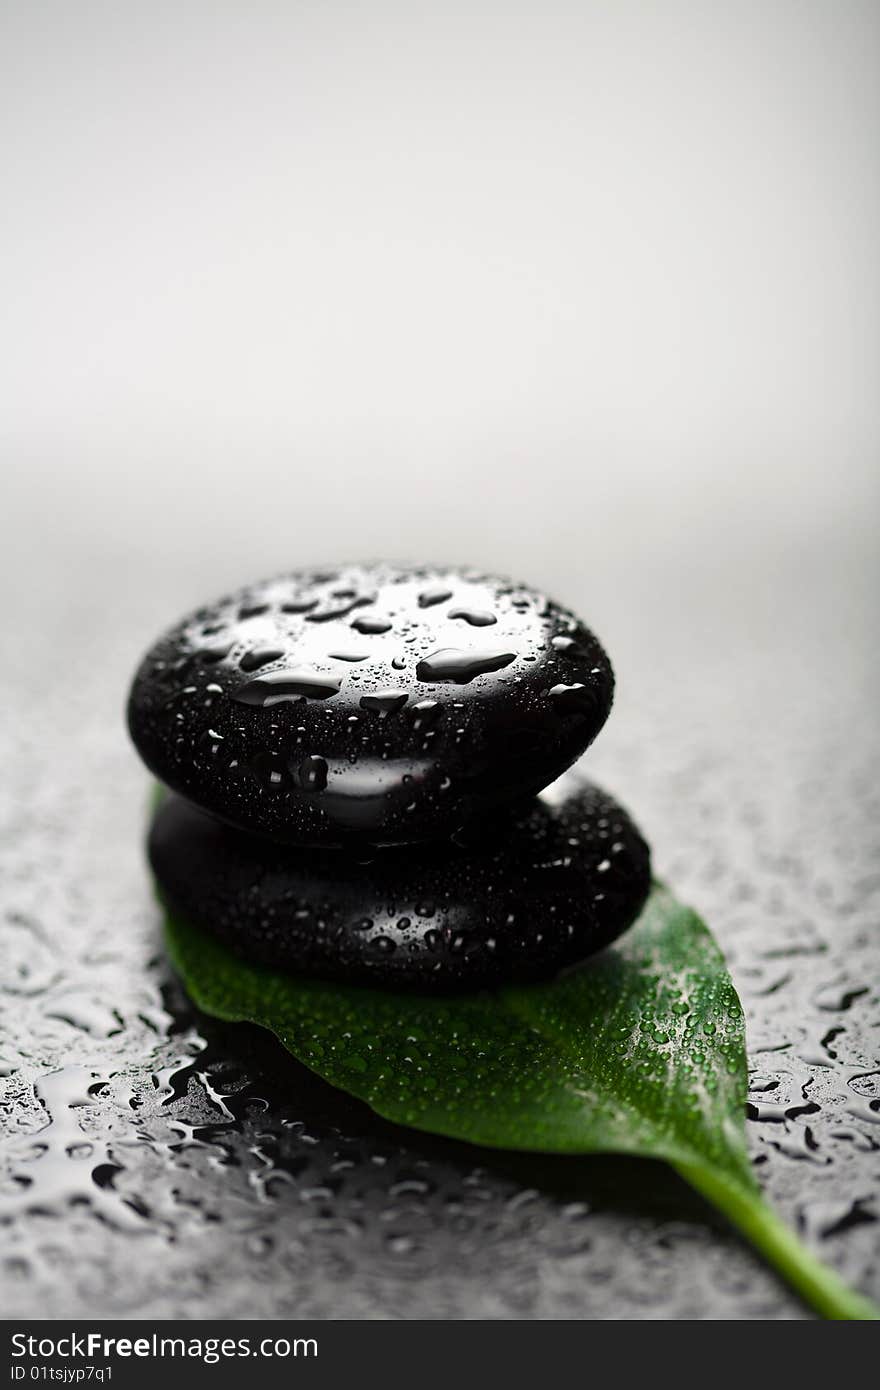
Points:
point(568, 875)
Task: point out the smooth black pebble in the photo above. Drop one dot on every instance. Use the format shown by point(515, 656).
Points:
point(390, 704)
point(565, 878)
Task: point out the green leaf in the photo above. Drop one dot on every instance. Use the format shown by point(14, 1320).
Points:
point(640, 1051)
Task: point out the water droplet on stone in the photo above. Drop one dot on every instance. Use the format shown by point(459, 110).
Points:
point(339, 609)
point(477, 617)
point(210, 742)
point(260, 656)
point(461, 666)
point(299, 605)
point(437, 594)
point(569, 647)
point(269, 771)
point(383, 945)
point(311, 773)
point(425, 714)
point(385, 701)
point(571, 699)
point(211, 655)
point(371, 624)
point(348, 654)
point(278, 686)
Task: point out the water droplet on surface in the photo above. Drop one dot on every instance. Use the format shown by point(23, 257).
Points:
point(339, 609)
point(569, 647)
point(383, 945)
point(425, 714)
point(211, 655)
point(839, 995)
point(373, 624)
point(477, 617)
point(269, 771)
point(818, 1220)
point(385, 701)
point(299, 605)
point(311, 773)
point(460, 666)
point(429, 597)
point(571, 699)
point(210, 742)
point(278, 686)
point(260, 656)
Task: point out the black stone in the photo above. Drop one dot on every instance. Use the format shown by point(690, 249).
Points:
point(562, 879)
point(425, 699)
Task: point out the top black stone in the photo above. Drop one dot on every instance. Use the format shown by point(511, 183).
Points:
point(377, 702)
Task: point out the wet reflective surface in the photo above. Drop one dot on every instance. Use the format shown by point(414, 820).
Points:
point(153, 1163)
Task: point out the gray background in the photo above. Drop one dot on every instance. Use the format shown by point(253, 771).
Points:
point(586, 293)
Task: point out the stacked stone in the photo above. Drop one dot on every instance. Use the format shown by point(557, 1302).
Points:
point(369, 778)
